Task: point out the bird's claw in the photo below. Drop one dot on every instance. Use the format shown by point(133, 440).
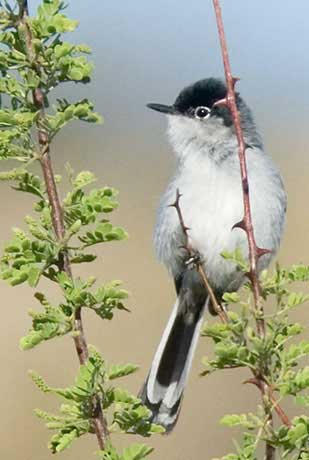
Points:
point(193, 260)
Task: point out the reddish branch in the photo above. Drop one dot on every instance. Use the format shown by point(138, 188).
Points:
point(246, 223)
point(266, 390)
point(99, 423)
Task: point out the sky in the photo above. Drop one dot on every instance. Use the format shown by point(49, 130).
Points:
point(148, 51)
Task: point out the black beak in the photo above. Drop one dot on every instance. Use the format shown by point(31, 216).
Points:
point(168, 109)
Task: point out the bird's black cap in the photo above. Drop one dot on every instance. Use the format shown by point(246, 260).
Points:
point(202, 93)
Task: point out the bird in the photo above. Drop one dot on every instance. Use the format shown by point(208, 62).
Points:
point(202, 135)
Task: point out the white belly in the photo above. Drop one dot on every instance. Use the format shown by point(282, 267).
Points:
point(212, 203)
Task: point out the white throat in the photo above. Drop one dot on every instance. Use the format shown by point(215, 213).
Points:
point(190, 137)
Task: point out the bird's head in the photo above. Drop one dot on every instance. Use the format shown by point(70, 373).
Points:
point(196, 120)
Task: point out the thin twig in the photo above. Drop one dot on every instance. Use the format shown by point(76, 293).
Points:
point(266, 390)
point(195, 257)
point(280, 412)
point(246, 223)
point(99, 422)
point(216, 305)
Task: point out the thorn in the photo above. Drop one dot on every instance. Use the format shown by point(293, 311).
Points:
point(186, 228)
point(254, 381)
point(221, 102)
point(261, 252)
point(241, 224)
point(235, 80)
point(176, 202)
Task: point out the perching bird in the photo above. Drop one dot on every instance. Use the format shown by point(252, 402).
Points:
point(208, 177)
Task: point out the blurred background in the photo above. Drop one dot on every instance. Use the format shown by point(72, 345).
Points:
point(147, 51)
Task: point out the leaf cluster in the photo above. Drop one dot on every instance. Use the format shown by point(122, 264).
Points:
point(133, 452)
point(44, 63)
point(36, 252)
point(275, 359)
point(124, 412)
point(35, 60)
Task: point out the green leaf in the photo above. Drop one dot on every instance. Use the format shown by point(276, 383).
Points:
point(134, 418)
point(88, 207)
point(63, 49)
point(103, 233)
point(31, 79)
point(34, 276)
point(81, 258)
point(226, 352)
point(115, 371)
point(52, 322)
point(109, 298)
point(12, 118)
point(63, 440)
point(83, 179)
point(11, 86)
point(50, 21)
point(75, 74)
point(297, 273)
point(296, 351)
point(299, 432)
point(303, 400)
point(231, 297)
point(32, 184)
point(109, 453)
point(67, 112)
point(123, 396)
point(39, 382)
point(297, 298)
point(87, 382)
point(13, 174)
point(136, 452)
point(237, 258)
point(19, 278)
point(240, 420)
point(156, 429)
point(75, 227)
point(216, 331)
point(40, 229)
point(35, 337)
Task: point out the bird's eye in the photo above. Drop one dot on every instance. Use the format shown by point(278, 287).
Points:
point(201, 112)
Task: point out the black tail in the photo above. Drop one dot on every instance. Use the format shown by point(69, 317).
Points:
point(163, 389)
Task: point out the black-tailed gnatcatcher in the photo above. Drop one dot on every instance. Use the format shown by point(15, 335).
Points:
point(208, 177)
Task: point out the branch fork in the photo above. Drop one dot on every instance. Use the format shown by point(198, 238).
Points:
point(260, 383)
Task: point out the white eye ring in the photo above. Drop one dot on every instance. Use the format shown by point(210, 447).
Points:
point(202, 112)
